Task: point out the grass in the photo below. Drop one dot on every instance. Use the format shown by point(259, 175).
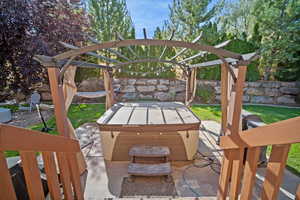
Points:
point(268, 114)
point(83, 113)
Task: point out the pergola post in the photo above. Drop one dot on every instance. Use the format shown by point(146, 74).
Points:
point(191, 86)
point(62, 122)
point(108, 84)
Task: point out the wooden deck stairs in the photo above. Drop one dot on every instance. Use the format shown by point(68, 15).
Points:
point(144, 153)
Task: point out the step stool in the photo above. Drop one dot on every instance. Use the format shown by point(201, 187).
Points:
point(142, 169)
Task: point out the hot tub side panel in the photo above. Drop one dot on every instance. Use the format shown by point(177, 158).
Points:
point(183, 144)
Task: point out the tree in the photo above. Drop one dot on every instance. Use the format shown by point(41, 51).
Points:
point(187, 17)
point(109, 17)
point(277, 23)
point(34, 27)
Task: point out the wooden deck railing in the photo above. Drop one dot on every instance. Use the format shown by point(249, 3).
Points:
point(28, 142)
point(280, 136)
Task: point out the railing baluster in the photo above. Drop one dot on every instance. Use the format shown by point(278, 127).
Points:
point(276, 166)
point(65, 175)
point(52, 177)
point(75, 175)
point(32, 175)
point(250, 172)
point(7, 190)
point(236, 175)
point(225, 175)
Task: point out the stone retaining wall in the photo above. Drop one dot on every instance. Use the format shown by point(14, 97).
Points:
point(260, 92)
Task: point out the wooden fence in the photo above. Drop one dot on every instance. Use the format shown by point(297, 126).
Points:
point(28, 143)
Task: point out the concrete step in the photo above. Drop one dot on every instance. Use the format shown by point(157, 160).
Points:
point(138, 169)
point(149, 151)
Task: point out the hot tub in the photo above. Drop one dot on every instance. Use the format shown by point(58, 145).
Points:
point(170, 124)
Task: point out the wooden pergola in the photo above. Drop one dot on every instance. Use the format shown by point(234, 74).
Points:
point(61, 71)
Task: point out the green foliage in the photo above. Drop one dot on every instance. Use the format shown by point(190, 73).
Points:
point(236, 45)
point(205, 93)
point(273, 28)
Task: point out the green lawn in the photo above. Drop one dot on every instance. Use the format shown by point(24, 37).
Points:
point(80, 114)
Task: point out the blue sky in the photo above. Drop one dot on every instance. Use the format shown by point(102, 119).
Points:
point(148, 14)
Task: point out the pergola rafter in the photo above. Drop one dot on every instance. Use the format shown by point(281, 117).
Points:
point(90, 53)
point(202, 53)
point(184, 49)
point(110, 50)
point(128, 47)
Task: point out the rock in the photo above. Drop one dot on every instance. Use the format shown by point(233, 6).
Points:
point(179, 96)
point(116, 81)
point(127, 88)
point(148, 96)
point(262, 99)
point(152, 82)
point(217, 90)
point(246, 98)
point(131, 81)
point(163, 96)
point(150, 88)
point(129, 96)
point(286, 99)
point(44, 88)
point(171, 82)
point(288, 90)
point(210, 83)
point(91, 85)
point(254, 84)
point(255, 91)
point(218, 98)
point(164, 82)
point(123, 81)
point(271, 84)
point(288, 84)
point(272, 92)
point(178, 88)
point(163, 88)
point(46, 96)
point(180, 82)
point(141, 82)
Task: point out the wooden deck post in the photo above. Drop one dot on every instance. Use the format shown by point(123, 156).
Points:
point(108, 79)
point(60, 112)
point(191, 86)
point(233, 124)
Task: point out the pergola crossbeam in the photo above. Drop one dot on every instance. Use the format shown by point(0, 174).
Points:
point(184, 49)
point(128, 47)
point(205, 52)
point(110, 50)
point(47, 61)
point(246, 57)
point(90, 53)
